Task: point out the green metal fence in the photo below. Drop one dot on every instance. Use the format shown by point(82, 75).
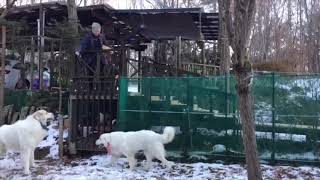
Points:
point(204, 112)
point(17, 97)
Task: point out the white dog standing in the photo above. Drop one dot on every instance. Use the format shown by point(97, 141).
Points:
point(129, 143)
point(24, 136)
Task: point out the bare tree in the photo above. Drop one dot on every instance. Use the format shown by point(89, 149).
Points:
point(74, 38)
point(224, 53)
point(239, 27)
point(285, 35)
point(2, 75)
point(73, 16)
point(3, 56)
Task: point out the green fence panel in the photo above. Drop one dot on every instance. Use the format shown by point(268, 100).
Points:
point(205, 114)
point(17, 97)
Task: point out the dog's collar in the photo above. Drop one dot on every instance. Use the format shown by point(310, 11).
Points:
point(44, 127)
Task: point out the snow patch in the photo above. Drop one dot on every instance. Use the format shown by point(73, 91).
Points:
point(52, 140)
point(219, 148)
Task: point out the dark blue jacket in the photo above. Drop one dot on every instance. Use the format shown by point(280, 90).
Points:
point(90, 46)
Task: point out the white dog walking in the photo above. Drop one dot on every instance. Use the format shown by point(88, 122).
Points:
point(24, 136)
point(129, 143)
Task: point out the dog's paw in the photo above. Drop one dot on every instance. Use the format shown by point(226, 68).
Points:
point(34, 165)
point(169, 164)
point(146, 168)
point(132, 168)
point(27, 172)
point(109, 165)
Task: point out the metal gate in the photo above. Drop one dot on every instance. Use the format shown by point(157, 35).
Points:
point(92, 103)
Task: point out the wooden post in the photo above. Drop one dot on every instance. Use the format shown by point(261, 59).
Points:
point(139, 64)
point(273, 120)
point(203, 58)
point(59, 75)
point(123, 56)
point(215, 57)
point(51, 61)
point(41, 45)
point(32, 61)
point(60, 140)
point(139, 70)
point(178, 54)
point(60, 118)
point(2, 75)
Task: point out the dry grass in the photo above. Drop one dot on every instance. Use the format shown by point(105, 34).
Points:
point(274, 66)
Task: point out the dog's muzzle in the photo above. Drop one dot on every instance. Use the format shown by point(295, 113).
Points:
point(100, 146)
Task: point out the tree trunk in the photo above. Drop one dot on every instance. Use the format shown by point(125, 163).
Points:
point(224, 52)
point(9, 4)
point(239, 28)
point(2, 75)
point(3, 62)
point(248, 126)
point(73, 16)
point(73, 23)
point(41, 45)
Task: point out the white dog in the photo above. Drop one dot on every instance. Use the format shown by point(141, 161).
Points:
point(129, 143)
point(24, 136)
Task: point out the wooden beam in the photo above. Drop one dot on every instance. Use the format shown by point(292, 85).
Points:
point(203, 58)
point(178, 54)
point(41, 45)
point(139, 64)
point(32, 61)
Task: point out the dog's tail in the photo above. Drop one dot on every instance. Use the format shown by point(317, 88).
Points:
point(168, 135)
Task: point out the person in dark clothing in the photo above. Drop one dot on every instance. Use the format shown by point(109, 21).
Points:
point(91, 47)
point(22, 84)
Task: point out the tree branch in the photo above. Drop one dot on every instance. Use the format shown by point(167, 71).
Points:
point(79, 3)
point(230, 24)
point(251, 12)
point(9, 6)
point(151, 4)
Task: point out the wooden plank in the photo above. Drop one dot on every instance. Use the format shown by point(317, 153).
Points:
point(15, 117)
point(97, 97)
point(24, 112)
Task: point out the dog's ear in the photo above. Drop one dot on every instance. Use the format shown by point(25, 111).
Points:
point(38, 115)
point(105, 138)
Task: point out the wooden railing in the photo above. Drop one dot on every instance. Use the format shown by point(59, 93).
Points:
point(201, 69)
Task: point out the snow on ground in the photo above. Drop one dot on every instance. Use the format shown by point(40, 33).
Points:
point(98, 168)
point(259, 134)
point(51, 140)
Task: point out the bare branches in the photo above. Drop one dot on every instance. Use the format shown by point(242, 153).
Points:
point(153, 6)
point(230, 23)
point(79, 4)
point(251, 12)
point(5, 12)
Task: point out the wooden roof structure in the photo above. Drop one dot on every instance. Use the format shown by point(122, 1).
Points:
point(136, 25)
